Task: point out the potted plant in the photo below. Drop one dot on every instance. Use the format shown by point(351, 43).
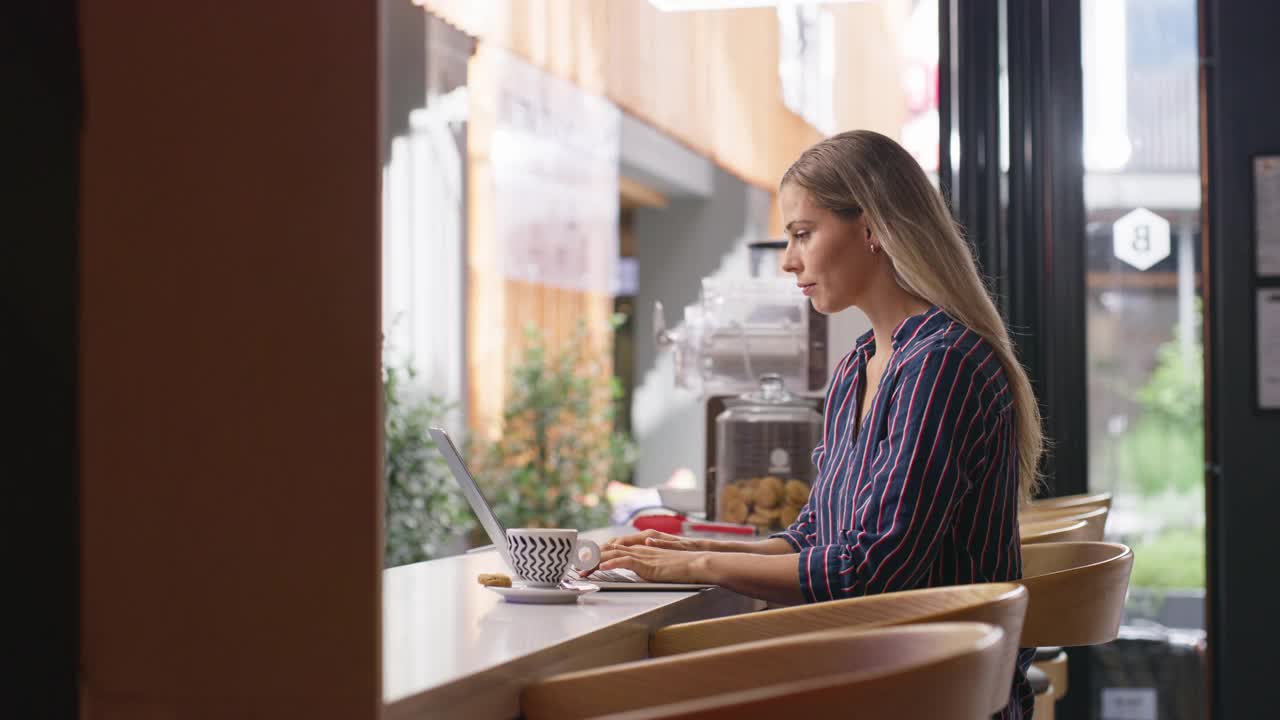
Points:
point(426, 516)
point(557, 449)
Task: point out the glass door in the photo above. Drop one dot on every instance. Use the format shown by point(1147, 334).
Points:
point(1145, 367)
point(1142, 306)
point(1074, 166)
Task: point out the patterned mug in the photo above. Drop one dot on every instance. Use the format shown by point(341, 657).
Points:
point(541, 556)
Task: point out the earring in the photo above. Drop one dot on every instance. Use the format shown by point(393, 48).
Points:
point(874, 248)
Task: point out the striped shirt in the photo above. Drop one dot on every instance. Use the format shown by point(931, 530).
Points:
point(926, 493)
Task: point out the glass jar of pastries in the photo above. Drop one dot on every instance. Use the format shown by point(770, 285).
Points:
point(764, 440)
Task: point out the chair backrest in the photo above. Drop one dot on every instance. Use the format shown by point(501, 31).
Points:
point(937, 670)
point(1102, 499)
point(1064, 530)
point(999, 604)
point(1096, 517)
point(1077, 592)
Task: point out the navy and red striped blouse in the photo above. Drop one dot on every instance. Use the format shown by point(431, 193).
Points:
point(926, 493)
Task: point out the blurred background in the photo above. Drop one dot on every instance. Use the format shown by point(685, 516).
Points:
point(550, 172)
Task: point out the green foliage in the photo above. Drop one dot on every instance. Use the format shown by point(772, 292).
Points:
point(1163, 456)
point(1174, 559)
point(557, 449)
point(1165, 449)
point(425, 510)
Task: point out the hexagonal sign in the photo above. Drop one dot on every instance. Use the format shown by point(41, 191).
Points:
point(1141, 238)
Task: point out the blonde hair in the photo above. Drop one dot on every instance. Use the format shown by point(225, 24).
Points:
point(861, 172)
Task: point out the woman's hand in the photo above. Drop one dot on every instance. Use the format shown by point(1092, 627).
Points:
point(775, 578)
point(656, 564)
point(653, 538)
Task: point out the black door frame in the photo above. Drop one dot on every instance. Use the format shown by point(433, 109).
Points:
point(1238, 55)
point(1028, 228)
point(1027, 232)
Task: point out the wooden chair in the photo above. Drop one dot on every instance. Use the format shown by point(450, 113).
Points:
point(876, 673)
point(1099, 499)
point(1052, 661)
point(1077, 595)
point(999, 604)
point(1102, 499)
point(1095, 517)
point(1064, 530)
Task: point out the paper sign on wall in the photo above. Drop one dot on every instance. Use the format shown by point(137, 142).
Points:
point(554, 158)
point(1268, 339)
point(1266, 214)
point(1129, 704)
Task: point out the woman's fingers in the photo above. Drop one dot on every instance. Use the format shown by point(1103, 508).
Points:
point(620, 551)
point(633, 539)
point(609, 558)
point(626, 561)
point(652, 563)
point(618, 561)
point(611, 554)
point(641, 538)
point(678, 542)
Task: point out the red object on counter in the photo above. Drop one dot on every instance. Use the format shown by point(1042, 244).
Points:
point(680, 525)
point(673, 524)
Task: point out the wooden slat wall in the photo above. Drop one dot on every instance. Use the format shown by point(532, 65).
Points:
point(869, 65)
point(486, 287)
point(707, 79)
point(500, 309)
point(710, 80)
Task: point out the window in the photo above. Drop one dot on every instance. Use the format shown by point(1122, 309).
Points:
point(1145, 369)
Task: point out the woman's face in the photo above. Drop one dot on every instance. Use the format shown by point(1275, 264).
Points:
point(829, 255)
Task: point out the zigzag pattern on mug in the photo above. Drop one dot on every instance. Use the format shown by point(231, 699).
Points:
point(540, 559)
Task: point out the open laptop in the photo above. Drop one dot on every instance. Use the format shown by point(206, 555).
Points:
point(606, 579)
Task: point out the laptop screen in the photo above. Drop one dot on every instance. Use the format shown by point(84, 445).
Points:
point(484, 513)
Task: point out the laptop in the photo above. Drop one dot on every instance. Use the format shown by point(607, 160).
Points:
point(607, 579)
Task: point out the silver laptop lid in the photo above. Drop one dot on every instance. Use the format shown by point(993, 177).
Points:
point(484, 513)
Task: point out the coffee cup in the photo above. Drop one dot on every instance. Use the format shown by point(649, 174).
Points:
point(541, 556)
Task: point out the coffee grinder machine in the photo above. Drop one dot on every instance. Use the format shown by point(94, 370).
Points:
point(756, 351)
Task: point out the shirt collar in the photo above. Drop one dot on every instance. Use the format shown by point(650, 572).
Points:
point(905, 331)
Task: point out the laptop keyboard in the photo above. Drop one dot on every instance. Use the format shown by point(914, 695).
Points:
point(620, 575)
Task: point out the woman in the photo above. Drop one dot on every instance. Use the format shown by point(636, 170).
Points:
point(931, 436)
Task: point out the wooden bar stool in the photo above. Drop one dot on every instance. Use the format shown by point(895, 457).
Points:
point(1102, 499)
point(999, 604)
point(1052, 661)
point(1061, 530)
point(876, 673)
point(1096, 517)
point(1077, 596)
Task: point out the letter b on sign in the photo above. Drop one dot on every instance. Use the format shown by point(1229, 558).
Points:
point(1141, 238)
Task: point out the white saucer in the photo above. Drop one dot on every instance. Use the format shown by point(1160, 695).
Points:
point(569, 592)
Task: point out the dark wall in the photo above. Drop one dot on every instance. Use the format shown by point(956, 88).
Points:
point(1242, 111)
point(39, 287)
